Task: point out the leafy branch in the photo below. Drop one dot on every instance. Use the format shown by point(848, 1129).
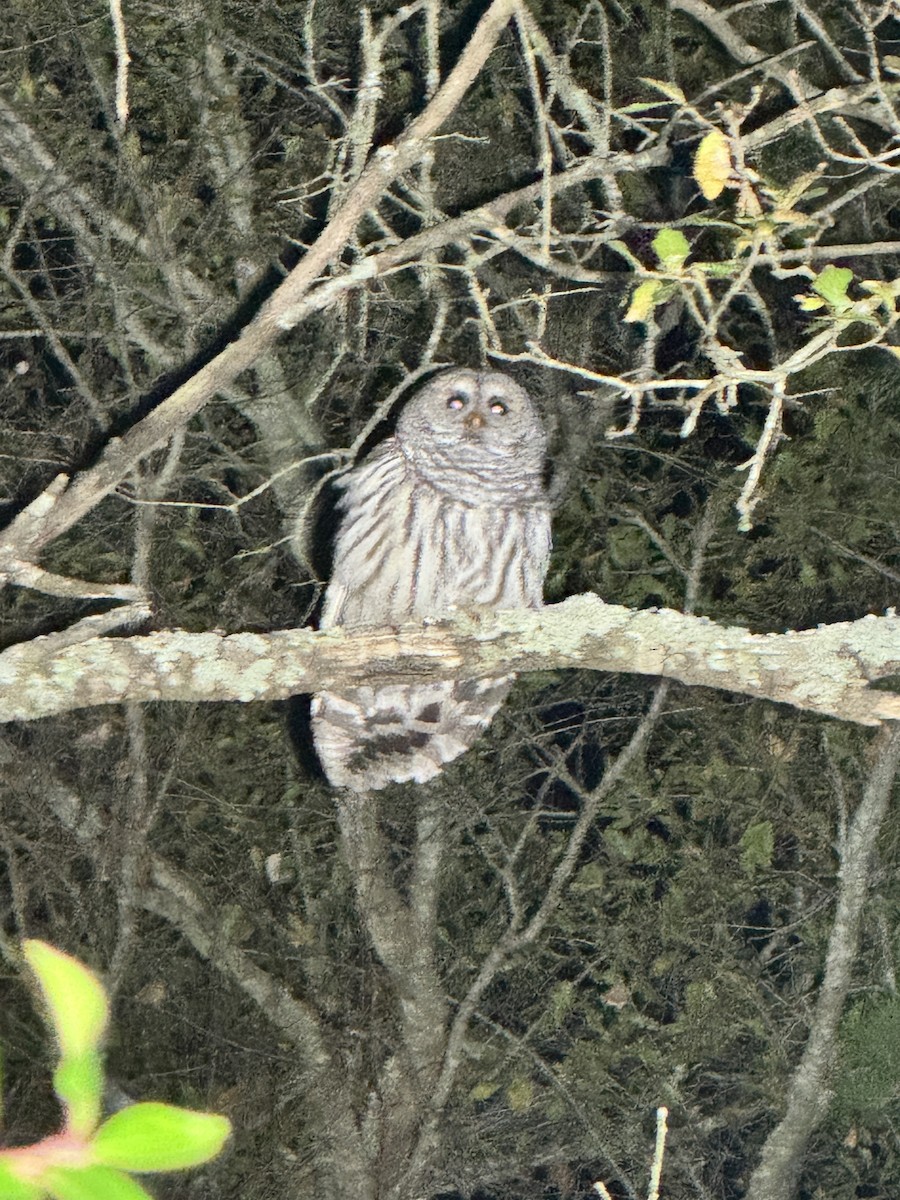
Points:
point(87, 1157)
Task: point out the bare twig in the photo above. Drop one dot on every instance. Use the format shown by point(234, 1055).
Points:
point(123, 60)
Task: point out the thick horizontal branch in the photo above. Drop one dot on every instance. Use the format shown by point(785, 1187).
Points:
point(826, 670)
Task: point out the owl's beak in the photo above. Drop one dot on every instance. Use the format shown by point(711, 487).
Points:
point(474, 421)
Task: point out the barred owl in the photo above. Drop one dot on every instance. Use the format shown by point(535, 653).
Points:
point(449, 513)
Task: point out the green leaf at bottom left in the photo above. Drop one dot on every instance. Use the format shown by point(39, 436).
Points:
point(150, 1136)
point(92, 1183)
point(14, 1188)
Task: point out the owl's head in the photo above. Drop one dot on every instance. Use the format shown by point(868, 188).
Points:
point(476, 429)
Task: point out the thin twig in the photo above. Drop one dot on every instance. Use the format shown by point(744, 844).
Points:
point(123, 60)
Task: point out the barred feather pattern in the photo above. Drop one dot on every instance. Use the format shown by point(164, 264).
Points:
point(449, 514)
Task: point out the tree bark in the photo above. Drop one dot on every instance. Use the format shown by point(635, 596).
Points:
point(827, 670)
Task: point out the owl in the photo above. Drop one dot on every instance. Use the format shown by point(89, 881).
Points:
point(451, 513)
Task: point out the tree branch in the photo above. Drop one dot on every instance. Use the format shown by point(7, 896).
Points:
point(826, 670)
point(171, 895)
point(279, 313)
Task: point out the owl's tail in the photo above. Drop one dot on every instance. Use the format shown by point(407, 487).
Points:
point(369, 737)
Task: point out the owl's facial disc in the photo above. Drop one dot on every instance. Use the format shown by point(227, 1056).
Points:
point(476, 412)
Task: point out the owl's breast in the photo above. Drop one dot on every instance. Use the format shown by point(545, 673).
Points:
point(481, 556)
point(416, 552)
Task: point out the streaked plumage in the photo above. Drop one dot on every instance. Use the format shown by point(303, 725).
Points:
point(450, 513)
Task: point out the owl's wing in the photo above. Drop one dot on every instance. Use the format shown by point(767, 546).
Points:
point(371, 544)
point(335, 599)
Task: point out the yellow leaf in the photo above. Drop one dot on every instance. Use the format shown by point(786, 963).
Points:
point(643, 300)
point(672, 90)
point(712, 164)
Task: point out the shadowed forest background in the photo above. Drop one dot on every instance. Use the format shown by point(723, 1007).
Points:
point(629, 893)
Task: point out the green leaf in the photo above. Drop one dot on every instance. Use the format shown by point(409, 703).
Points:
point(886, 291)
point(866, 1082)
point(562, 999)
point(758, 846)
point(159, 1137)
point(75, 998)
point(14, 1188)
point(718, 270)
point(590, 878)
point(78, 1081)
point(672, 248)
point(92, 1183)
point(520, 1094)
point(832, 284)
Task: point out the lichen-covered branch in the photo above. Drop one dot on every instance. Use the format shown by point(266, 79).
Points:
point(827, 670)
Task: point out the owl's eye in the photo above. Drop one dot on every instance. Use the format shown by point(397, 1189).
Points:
point(456, 402)
point(498, 408)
